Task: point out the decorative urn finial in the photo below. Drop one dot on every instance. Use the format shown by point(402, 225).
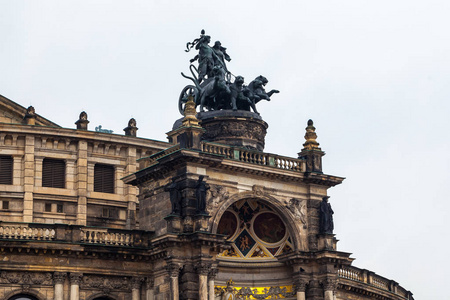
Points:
point(190, 119)
point(82, 122)
point(311, 151)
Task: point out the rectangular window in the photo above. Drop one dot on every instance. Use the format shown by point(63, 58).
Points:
point(105, 213)
point(48, 207)
point(6, 169)
point(54, 173)
point(59, 208)
point(104, 178)
point(5, 204)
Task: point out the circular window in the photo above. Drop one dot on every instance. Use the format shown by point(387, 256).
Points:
point(269, 228)
point(228, 224)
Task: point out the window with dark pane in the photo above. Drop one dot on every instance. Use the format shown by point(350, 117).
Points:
point(6, 169)
point(54, 173)
point(5, 204)
point(104, 178)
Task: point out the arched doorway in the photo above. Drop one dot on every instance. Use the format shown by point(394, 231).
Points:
point(23, 297)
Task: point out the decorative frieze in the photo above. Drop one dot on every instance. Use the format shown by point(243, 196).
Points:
point(26, 278)
point(109, 283)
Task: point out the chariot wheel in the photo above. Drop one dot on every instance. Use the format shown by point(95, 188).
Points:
point(185, 92)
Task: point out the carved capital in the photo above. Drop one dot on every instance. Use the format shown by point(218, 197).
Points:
point(203, 268)
point(59, 277)
point(213, 273)
point(136, 282)
point(75, 278)
point(149, 283)
point(173, 269)
point(300, 285)
point(329, 284)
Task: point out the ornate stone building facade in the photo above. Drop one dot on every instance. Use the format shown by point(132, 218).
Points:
point(208, 215)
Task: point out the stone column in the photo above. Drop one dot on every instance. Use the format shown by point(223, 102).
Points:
point(174, 271)
point(202, 271)
point(58, 279)
point(136, 283)
point(149, 291)
point(211, 276)
point(301, 288)
point(75, 279)
point(329, 287)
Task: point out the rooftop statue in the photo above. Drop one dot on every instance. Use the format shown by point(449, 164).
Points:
point(213, 87)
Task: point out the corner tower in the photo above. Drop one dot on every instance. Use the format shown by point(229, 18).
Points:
point(230, 219)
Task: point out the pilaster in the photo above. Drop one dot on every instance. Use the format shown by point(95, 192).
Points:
point(28, 179)
point(82, 179)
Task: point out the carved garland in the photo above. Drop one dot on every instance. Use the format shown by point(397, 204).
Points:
point(26, 278)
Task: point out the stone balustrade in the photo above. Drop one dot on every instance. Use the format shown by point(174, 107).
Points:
point(106, 237)
point(256, 157)
point(74, 234)
point(235, 153)
point(374, 280)
point(17, 231)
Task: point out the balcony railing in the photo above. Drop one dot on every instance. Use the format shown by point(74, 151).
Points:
point(255, 157)
point(370, 278)
point(74, 234)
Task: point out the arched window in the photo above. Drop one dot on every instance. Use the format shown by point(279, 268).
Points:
point(23, 297)
point(256, 231)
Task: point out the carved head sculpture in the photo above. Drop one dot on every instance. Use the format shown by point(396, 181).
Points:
point(239, 80)
point(132, 123)
point(262, 79)
point(217, 44)
point(30, 110)
point(83, 115)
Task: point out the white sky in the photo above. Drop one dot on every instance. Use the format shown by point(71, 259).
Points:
point(373, 75)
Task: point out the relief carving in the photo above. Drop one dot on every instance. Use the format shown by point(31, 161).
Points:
point(298, 208)
point(27, 278)
point(105, 283)
point(216, 195)
point(258, 190)
point(234, 129)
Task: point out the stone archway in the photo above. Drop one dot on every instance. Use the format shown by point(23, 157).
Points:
point(296, 231)
point(23, 297)
point(255, 230)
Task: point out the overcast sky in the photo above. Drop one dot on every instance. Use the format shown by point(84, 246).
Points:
point(373, 75)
